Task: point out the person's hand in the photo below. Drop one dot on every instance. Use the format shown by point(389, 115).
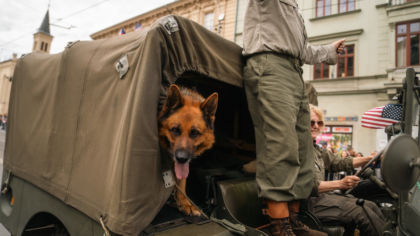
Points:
point(349, 181)
point(372, 155)
point(339, 45)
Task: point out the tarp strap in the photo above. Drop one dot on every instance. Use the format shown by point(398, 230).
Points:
point(106, 231)
point(5, 187)
point(232, 227)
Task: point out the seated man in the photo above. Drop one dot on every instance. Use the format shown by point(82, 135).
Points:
point(327, 205)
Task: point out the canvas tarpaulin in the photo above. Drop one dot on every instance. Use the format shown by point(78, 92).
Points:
point(80, 132)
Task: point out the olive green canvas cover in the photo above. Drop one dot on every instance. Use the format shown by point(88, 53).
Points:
point(80, 132)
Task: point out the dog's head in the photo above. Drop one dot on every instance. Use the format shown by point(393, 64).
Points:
point(186, 125)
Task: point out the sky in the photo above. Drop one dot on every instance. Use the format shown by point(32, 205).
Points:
point(70, 20)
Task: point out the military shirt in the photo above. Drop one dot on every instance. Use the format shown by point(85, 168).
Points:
point(277, 26)
point(326, 160)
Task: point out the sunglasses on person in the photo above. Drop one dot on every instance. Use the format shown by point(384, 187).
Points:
point(319, 123)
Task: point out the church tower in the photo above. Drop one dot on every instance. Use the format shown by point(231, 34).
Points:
point(43, 38)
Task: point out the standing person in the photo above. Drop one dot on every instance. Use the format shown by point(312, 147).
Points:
point(3, 122)
point(327, 205)
point(275, 46)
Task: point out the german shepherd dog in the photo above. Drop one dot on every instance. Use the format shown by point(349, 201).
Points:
point(186, 130)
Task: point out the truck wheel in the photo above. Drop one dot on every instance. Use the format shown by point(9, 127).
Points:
point(44, 224)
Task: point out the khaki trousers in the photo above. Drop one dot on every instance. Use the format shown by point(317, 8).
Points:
point(280, 113)
point(330, 207)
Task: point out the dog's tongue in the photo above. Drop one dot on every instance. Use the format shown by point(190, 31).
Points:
point(182, 170)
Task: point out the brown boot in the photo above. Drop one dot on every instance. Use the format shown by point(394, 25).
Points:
point(299, 228)
point(278, 214)
point(281, 227)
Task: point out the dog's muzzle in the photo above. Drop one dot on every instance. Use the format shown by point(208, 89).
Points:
point(182, 156)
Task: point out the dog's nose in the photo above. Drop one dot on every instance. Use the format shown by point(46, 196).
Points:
point(182, 156)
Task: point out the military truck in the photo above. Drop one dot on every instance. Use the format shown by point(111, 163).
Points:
point(82, 155)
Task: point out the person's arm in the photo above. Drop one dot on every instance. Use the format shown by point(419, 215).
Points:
point(334, 163)
point(361, 161)
point(326, 53)
point(346, 183)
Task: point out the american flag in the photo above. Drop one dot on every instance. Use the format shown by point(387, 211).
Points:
point(381, 117)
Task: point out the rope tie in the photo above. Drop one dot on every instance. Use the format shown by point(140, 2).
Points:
point(6, 184)
point(106, 231)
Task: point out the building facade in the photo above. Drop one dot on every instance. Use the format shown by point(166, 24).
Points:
point(382, 40)
point(6, 73)
point(216, 15)
point(41, 44)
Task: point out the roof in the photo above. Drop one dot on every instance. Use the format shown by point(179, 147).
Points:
point(45, 26)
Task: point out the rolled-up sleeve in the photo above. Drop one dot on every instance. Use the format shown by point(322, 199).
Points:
point(315, 187)
point(318, 54)
point(335, 163)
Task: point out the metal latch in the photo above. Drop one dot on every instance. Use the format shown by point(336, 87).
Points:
point(121, 66)
point(170, 24)
point(168, 178)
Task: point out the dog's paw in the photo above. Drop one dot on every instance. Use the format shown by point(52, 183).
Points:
point(187, 208)
point(183, 202)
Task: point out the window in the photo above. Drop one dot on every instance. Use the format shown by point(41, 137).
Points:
point(46, 47)
point(42, 46)
point(321, 71)
point(407, 44)
point(346, 5)
point(323, 8)
point(345, 65)
point(208, 21)
point(398, 2)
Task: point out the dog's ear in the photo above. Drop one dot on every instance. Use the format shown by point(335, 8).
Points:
point(174, 100)
point(209, 107)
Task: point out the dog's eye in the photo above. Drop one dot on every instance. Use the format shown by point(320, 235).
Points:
point(194, 133)
point(176, 131)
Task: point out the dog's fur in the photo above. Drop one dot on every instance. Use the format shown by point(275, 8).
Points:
point(186, 125)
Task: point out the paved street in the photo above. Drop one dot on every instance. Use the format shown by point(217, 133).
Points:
point(3, 231)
